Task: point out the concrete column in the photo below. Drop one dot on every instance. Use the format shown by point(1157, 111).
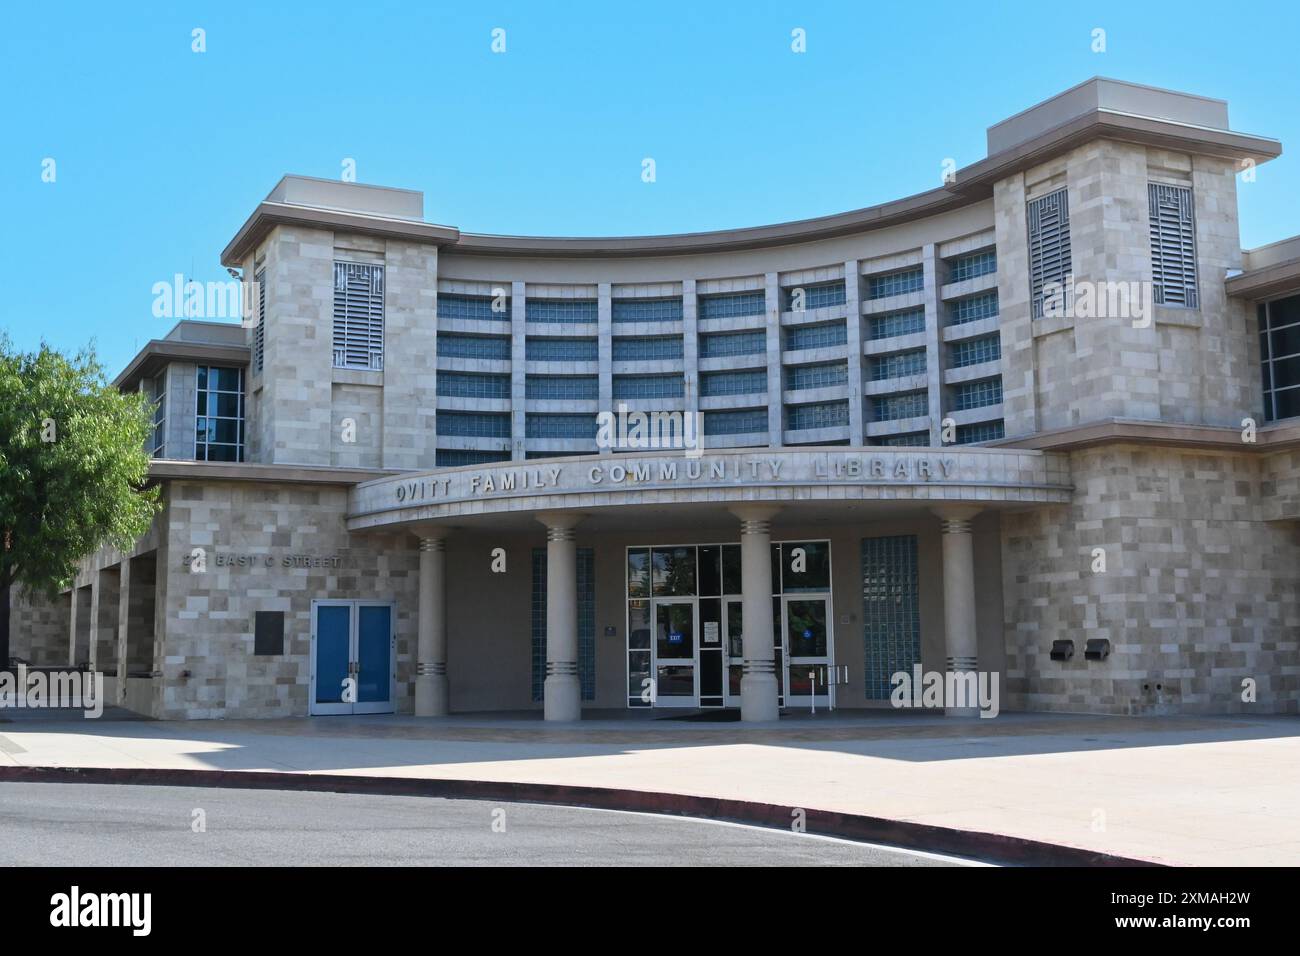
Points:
point(431, 634)
point(72, 626)
point(123, 624)
point(775, 391)
point(758, 692)
point(933, 338)
point(691, 354)
point(562, 692)
point(518, 360)
point(93, 637)
point(605, 350)
point(960, 641)
point(853, 318)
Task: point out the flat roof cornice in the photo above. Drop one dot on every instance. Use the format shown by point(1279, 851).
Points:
point(164, 469)
point(973, 183)
point(159, 352)
point(1111, 431)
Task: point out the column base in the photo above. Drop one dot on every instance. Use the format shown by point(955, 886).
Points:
point(758, 698)
point(431, 695)
point(562, 697)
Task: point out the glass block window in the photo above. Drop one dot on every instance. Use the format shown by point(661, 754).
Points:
point(455, 306)
point(471, 385)
point(974, 308)
point(259, 337)
point(889, 408)
point(157, 391)
point(892, 324)
point(560, 426)
point(1279, 352)
point(816, 336)
point(977, 394)
point(560, 310)
point(1049, 245)
point(732, 304)
point(891, 616)
point(562, 387)
point(474, 424)
point(1173, 245)
point(489, 347)
point(733, 383)
point(358, 315)
point(722, 344)
point(735, 423)
point(817, 415)
point(647, 310)
point(824, 375)
point(906, 440)
point(549, 349)
point(647, 348)
point(457, 457)
point(649, 386)
point(586, 567)
point(219, 414)
point(974, 351)
point(980, 431)
point(896, 283)
point(974, 265)
point(899, 364)
point(819, 296)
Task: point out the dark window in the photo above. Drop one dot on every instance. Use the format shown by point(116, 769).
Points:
point(268, 633)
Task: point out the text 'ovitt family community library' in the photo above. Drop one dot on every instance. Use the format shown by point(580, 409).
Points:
point(1042, 421)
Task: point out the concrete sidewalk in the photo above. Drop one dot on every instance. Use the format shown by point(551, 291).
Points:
point(1193, 790)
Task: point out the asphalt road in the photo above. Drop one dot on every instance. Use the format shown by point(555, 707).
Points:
point(112, 825)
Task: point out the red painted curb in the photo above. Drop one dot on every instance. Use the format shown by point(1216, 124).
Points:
point(992, 847)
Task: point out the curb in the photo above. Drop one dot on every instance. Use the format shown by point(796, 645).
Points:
point(992, 847)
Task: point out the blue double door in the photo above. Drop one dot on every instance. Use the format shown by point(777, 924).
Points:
point(353, 647)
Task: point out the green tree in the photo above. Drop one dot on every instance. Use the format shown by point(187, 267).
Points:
point(72, 469)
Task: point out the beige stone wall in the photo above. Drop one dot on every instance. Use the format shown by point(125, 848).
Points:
point(1199, 592)
point(38, 627)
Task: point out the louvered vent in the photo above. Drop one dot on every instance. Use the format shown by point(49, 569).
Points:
point(1049, 245)
point(259, 337)
point(358, 316)
point(1173, 245)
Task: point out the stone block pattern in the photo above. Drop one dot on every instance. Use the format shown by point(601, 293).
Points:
point(1199, 592)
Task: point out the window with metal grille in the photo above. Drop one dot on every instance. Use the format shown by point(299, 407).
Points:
point(1173, 245)
point(456, 457)
point(971, 266)
point(474, 424)
point(488, 347)
point(977, 394)
point(1049, 247)
point(472, 385)
point(975, 351)
point(799, 377)
point(893, 366)
point(562, 387)
point(648, 386)
point(973, 308)
point(560, 310)
point(219, 414)
point(732, 304)
point(561, 350)
point(816, 336)
point(647, 310)
point(560, 426)
point(819, 296)
point(896, 283)
point(980, 431)
point(891, 324)
point(733, 383)
point(818, 415)
point(648, 349)
point(891, 611)
point(456, 306)
point(723, 344)
point(1279, 351)
point(890, 408)
point(259, 337)
point(735, 423)
point(358, 315)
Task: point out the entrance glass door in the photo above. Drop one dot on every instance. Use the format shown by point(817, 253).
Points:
point(352, 658)
point(807, 650)
point(735, 638)
point(674, 652)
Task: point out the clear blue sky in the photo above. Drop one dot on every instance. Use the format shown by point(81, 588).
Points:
point(162, 153)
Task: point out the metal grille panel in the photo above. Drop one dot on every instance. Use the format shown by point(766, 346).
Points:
point(1173, 245)
point(358, 315)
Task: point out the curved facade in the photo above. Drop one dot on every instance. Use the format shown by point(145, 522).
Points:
point(1036, 423)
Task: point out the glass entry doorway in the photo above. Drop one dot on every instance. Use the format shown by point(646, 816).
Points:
point(675, 646)
point(353, 652)
point(807, 651)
